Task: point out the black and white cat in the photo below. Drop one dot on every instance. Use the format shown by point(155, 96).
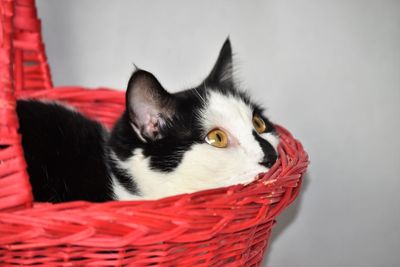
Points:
point(163, 144)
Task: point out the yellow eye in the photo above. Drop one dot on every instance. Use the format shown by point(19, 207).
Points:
point(217, 138)
point(259, 124)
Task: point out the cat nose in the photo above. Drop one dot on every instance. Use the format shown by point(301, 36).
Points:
point(269, 160)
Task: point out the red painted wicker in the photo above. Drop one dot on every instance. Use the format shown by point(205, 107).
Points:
point(221, 227)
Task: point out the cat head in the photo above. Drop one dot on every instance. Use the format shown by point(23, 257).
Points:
point(206, 137)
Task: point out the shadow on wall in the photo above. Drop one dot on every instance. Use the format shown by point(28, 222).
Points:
point(285, 219)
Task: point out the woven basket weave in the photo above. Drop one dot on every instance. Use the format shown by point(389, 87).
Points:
point(220, 227)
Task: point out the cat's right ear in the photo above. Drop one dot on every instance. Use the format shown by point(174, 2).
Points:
point(149, 105)
point(222, 73)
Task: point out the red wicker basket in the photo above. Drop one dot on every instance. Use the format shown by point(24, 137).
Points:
point(220, 227)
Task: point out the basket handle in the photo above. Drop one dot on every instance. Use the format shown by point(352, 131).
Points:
point(31, 70)
point(23, 66)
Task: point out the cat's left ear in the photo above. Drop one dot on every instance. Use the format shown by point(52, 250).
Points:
point(222, 73)
point(149, 105)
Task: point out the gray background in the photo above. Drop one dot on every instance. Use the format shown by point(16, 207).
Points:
point(327, 70)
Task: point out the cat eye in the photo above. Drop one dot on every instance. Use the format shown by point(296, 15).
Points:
point(259, 124)
point(217, 138)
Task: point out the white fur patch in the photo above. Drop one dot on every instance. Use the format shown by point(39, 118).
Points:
point(205, 166)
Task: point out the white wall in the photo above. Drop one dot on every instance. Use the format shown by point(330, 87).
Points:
point(327, 70)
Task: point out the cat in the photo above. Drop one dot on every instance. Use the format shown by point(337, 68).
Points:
point(163, 144)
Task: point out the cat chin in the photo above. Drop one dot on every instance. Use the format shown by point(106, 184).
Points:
point(189, 177)
point(122, 194)
point(246, 178)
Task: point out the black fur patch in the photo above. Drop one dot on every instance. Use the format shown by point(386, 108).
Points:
point(221, 74)
point(123, 140)
point(270, 155)
point(64, 152)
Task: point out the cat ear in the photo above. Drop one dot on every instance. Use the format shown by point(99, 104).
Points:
point(148, 104)
point(222, 72)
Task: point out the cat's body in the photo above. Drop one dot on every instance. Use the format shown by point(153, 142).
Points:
point(163, 144)
point(65, 152)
